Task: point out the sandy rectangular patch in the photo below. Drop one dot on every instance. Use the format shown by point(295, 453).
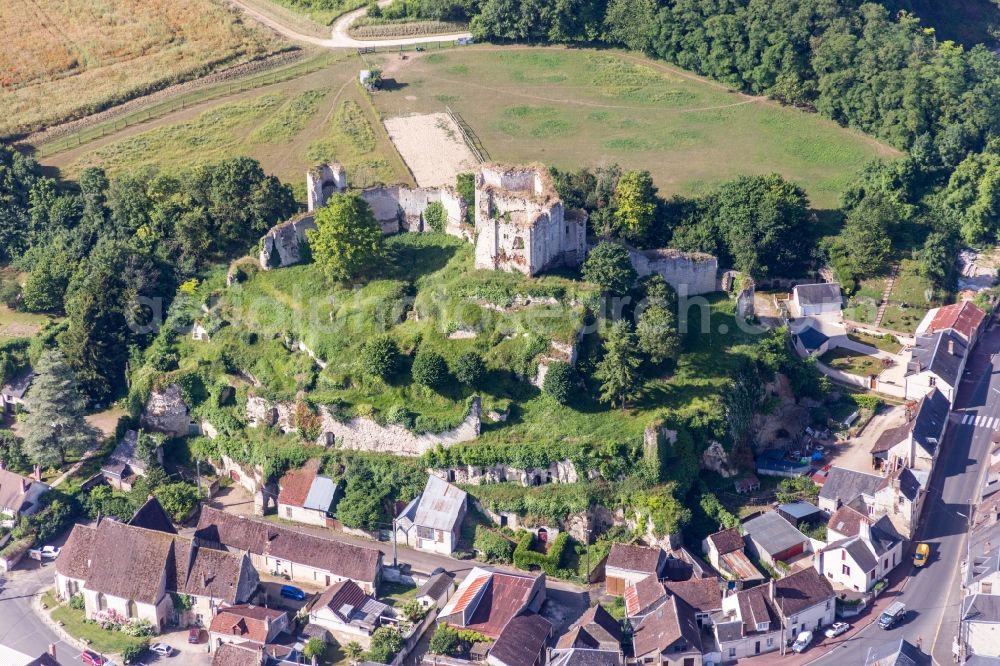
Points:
point(432, 147)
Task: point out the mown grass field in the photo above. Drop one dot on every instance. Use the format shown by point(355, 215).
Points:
point(288, 126)
point(571, 108)
point(64, 60)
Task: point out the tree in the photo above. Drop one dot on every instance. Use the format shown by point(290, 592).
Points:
point(445, 640)
point(630, 22)
point(657, 332)
point(178, 499)
point(386, 642)
point(435, 216)
point(618, 370)
point(609, 266)
point(353, 651)
point(492, 546)
point(559, 381)
point(347, 239)
point(53, 266)
point(764, 223)
point(469, 368)
point(972, 198)
point(55, 427)
point(430, 369)
point(10, 293)
point(741, 401)
point(380, 357)
point(864, 241)
point(314, 648)
point(636, 209)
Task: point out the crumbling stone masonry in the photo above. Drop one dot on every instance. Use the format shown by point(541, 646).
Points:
point(395, 207)
point(521, 224)
point(690, 273)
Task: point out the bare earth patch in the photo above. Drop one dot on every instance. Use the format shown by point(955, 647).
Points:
point(432, 147)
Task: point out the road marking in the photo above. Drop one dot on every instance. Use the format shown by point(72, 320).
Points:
point(966, 419)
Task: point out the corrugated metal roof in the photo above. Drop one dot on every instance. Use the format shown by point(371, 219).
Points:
point(321, 494)
point(440, 505)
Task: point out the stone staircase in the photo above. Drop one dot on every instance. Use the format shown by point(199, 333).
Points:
point(884, 303)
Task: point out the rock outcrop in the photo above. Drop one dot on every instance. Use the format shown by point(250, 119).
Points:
point(166, 412)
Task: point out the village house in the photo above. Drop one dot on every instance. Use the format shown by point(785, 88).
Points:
point(842, 485)
point(643, 597)
point(595, 630)
point(810, 341)
point(902, 653)
point(983, 574)
point(20, 495)
point(250, 654)
point(247, 624)
point(302, 557)
point(152, 516)
point(669, 636)
point(132, 571)
point(488, 600)
point(772, 539)
point(858, 561)
point(815, 299)
point(126, 462)
point(964, 318)
point(306, 497)
point(980, 628)
point(800, 513)
point(725, 551)
point(756, 620)
point(348, 613)
point(915, 443)
point(937, 360)
point(522, 642)
point(437, 590)
point(628, 564)
point(703, 595)
point(433, 520)
point(583, 657)
point(12, 394)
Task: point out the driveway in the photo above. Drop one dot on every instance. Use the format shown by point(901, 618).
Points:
point(339, 37)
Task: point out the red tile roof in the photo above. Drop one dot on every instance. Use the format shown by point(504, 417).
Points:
point(702, 594)
point(493, 597)
point(522, 641)
point(643, 594)
point(964, 317)
point(250, 623)
point(293, 488)
point(635, 558)
point(727, 541)
point(846, 521)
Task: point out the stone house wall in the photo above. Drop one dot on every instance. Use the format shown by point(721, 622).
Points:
point(322, 181)
point(166, 412)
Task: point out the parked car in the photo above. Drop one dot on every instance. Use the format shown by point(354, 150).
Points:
point(292, 592)
point(194, 635)
point(921, 554)
point(802, 641)
point(161, 649)
point(892, 615)
point(836, 629)
point(50, 552)
point(91, 658)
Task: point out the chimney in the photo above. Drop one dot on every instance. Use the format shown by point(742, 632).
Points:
point(951, 346)
point(52, 650)
point(24, 484)
point(865, 530)
point(38, 473)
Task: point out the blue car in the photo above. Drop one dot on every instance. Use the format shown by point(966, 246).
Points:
point(292, 592)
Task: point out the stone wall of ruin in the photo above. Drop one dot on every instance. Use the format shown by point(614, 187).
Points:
point(690, 273)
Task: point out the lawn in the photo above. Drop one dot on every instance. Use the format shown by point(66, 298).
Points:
point(911, 297)
point(288, 127)
point(396, 594)
point(64, 60)
point(14, 324)
point(887, 342)
point(852, 362)
point(572, 108)
point(73, 622)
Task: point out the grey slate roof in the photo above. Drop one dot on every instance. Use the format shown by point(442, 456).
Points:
point(931, 353)
point(439, 507)
point(932, 414)
point(799, 510)
point(584, 657)
point(321, 494)
point(845, 484)
point(818, 294)
point(902, 653)
point(436, 585)
point(773, 533)
point(812, 338)
point(18, 386)
point(981, 608)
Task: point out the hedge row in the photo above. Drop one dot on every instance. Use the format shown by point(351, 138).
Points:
point(527, 559)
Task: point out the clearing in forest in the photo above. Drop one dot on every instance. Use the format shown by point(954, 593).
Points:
point(64, 60)
point(575, 107)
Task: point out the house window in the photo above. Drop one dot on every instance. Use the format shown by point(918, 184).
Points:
point(795, 621)
point(102, 601)
point(288, 512)
point(932, 381)
point(886, 565)
point(828, 604)
point(130, 609)
point(425, 533)
point(987, 588)
point(732, 653)
point(843, 554)
point(770, 641)
point(763, 626)
point(846, 570)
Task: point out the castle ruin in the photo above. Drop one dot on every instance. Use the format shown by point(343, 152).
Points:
point(521, 224)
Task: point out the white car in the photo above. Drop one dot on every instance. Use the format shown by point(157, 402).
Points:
point(802, 641)
point(161, 649)
point(836, 629)
point(50, 552)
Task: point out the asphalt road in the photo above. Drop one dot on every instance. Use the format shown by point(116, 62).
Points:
point(20, 628)
point(933, 593)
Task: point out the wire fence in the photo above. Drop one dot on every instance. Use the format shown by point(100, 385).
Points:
point(469, 135)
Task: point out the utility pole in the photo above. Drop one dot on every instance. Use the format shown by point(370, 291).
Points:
point(197, 464)
point(394, 542)
point(587, 576)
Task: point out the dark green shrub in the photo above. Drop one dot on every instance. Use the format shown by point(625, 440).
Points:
point(435, 216)
point(430, 369)
point(469, 368)
point(559, 382)
point(380, 357)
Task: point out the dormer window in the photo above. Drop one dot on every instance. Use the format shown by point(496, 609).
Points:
point(763, 626)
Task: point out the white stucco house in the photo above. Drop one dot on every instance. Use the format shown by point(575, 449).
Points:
point(305, 496)
point(433, 520)
point(815, 299)
point(20, 495)
point(936, 361)
point(859, 561)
